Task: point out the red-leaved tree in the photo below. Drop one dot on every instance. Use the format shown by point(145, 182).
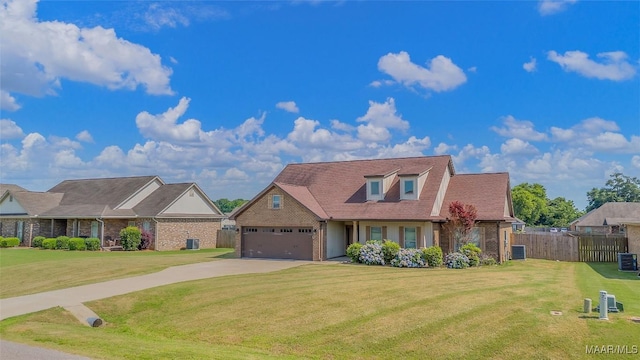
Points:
point(460, 222)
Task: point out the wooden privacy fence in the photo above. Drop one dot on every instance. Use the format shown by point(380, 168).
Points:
point(565, 247)
point(226, 239)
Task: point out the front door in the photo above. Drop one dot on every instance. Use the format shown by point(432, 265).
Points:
point(94, 229)
point(349, 234)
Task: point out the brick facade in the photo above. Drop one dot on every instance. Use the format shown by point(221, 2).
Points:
point(291, 214)
point(633, 234)
point(172, 234)
point(492, 238)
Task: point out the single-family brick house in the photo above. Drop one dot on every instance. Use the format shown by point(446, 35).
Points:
point(100, 208)
point(314, 211)
point(610, 218)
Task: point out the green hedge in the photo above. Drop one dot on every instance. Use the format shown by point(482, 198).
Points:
point(9, 242)
point(49, 244)
point(433, 256)
point(37, 241)
point(130, 238)
point(62, 243)
point(92, 244)
point(77, 244)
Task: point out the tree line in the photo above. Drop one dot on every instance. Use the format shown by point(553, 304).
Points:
point(531, 204)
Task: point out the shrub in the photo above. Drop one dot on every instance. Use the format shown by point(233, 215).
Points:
point(37, 241)
point(371, 254)
point(92, 244)
point(62, 243)
point(411, 258)
point(389, 250)
point(472, 252)
point(130, 238)
point(432, 256)
point(77, 244)
point(146, 240)
point(456, 260)
point(49, 243)
point(9, 242)
point(487, 260)
point(353, 252)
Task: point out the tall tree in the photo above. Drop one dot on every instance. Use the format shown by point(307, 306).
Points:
point(560, 212)
point(530, 203)
point(461, 221)
point(619, 188)
point(227, 206)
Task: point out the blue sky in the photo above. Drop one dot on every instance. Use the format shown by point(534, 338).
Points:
point(227, 93)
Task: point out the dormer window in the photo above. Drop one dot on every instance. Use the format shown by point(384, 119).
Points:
point(374, 189)
point(408, 189)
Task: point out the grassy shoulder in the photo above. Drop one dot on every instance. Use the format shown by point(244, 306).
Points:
point(352, 311)
point(28, 271)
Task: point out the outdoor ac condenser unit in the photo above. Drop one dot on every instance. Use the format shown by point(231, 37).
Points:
point(518, 252)
point(627, 262)
point(193, 244)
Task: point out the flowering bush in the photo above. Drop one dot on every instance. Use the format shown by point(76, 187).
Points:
point(390, 250)
point(432, 256)
point(353, 252)
point(371, 254)
point(456, 260)
point(487, 260)
point(408, 258)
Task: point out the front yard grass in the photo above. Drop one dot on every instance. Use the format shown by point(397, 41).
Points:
point(28, 271)
point(353, 312)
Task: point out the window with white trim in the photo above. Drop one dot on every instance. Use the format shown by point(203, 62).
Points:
point(408, 190)
point(276, 201)
point(374, 189)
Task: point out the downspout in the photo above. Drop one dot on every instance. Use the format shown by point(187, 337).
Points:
point(155, 235)
point(101, 232)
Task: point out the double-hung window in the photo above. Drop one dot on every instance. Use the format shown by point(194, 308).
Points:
point(276, 202)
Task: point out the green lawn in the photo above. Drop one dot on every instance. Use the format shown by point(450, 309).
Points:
point(27, 271)
point(354, 311)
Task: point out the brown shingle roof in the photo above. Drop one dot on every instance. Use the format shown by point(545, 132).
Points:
point(486, 192)
point(339, 188)
point(10, 187)
point(105, 191)
point(613, 212)
point(36, 203)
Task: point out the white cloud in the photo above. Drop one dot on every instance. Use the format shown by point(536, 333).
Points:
point(288, 106)
point(441, 74)
point(443, 149)
point(550, 7)
point(517, 147)
point(597, 134)
point(473, 69)
point(530, 66)
point(520, 129)
point(384, 115)
point(235, 174)
point(165, 126)
point(84, 136)
point(10, 130)
point(635, 161)
point(613, 66)
point(8, 102)
point(36, 55)
point(338, 125)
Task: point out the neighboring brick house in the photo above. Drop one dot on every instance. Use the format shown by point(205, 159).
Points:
point(102, 207)
point(610, 218)
point(633, 235)
point(315, 211)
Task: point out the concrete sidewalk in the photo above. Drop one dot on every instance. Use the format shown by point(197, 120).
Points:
point(26, 304)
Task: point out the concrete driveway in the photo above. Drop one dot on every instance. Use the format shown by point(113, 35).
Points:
point(26, 304)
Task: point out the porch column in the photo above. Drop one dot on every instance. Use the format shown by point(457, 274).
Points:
point(355, 232)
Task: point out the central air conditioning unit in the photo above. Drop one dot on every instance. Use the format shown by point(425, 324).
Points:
point(518, 252)
point(627, 262)
point(193, 244)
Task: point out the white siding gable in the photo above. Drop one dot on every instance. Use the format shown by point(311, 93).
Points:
point(10, 206)
point(191, 202)
point(141, 194)
point(442, 191)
